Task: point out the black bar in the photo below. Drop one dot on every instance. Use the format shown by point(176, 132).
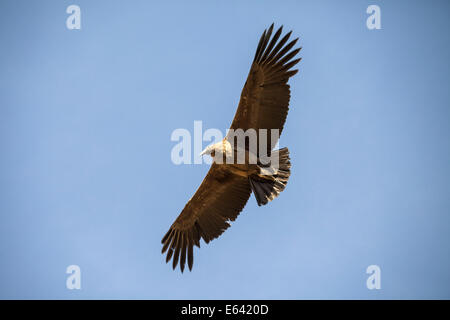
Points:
point(227, 309)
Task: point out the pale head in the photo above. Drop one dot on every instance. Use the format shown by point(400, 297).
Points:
point(221, 147)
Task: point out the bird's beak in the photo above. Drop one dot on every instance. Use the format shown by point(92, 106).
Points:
point(203, 153)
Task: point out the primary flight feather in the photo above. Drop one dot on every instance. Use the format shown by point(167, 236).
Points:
point(227, 187)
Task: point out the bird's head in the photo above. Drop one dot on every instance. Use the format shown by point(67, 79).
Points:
point(209, 150)
point(220, 149)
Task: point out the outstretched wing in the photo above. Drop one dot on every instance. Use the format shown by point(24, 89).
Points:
point(219, 199)
point(265, 97)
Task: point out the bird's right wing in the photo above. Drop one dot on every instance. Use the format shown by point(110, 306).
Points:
point(219, 199)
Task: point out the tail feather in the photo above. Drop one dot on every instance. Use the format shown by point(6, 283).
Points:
point(267, 187)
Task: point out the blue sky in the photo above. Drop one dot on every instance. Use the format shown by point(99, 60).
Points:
point(86, 176)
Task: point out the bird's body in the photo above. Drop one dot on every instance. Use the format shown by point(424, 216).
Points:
point(239, 169)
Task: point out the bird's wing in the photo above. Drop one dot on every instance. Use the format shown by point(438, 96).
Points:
point(219, 199)
point(265, 97)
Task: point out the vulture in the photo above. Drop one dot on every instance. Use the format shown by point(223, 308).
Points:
point(225, 190)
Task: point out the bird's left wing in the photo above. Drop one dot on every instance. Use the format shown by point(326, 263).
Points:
point(264, 102)
point(219, 199)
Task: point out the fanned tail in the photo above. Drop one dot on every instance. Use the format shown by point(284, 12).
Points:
point(268, 187)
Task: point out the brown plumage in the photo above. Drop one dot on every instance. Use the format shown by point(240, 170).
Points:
point(226, 188)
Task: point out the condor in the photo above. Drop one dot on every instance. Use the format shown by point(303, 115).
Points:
point(227, 187)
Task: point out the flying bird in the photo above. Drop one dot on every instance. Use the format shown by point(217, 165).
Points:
point(225, 190)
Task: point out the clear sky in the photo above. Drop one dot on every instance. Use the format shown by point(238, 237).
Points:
point(86, 176)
